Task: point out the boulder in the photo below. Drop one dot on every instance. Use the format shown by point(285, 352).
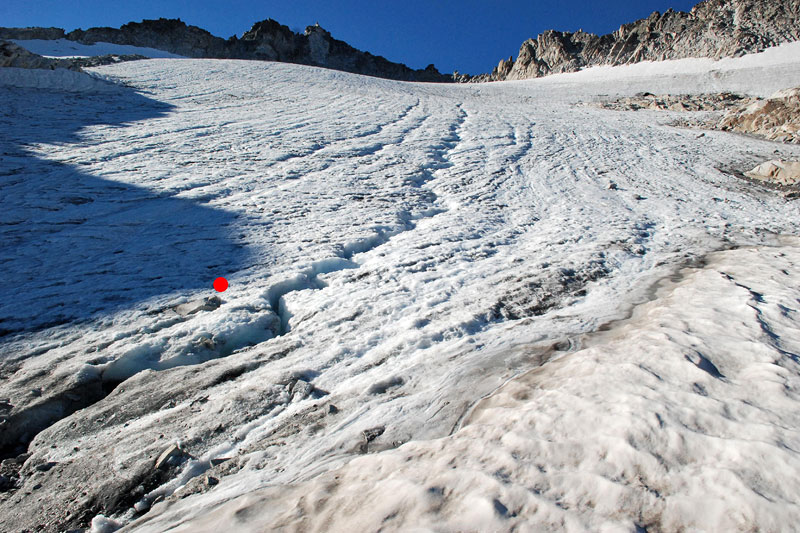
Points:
point(169, 457)
point(195, 306)
point(777, 172)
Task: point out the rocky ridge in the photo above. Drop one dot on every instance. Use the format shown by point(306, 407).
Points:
point(12, 55)
point(267, 40)
point(713, 28)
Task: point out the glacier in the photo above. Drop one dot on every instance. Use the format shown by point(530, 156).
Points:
point(451, 307)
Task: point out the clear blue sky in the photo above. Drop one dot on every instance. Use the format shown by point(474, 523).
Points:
point(468, 35)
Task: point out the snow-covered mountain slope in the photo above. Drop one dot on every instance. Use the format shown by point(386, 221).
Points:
point(395, 252)
point(67, 48)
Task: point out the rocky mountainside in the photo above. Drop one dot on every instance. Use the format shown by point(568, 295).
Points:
point(12, 55)
point(266, 40)
point(272, 41)
point(713, 28)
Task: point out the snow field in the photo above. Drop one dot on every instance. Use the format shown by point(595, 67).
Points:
point(396, 251)
point(67, 48)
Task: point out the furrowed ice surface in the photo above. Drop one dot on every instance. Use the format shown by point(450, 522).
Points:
point(682, 418)
point(395, 252)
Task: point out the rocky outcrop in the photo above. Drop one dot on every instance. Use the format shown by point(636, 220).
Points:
point(272, 41)
point(12, 55)
point(776, 118)
point(777, 172)
point(171, 35)
point(714, 28)
point(266, 40)
point(675, 102)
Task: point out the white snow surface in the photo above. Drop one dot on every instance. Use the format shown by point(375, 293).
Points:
point(407, 249)
point(682, 418)
point(67, 48)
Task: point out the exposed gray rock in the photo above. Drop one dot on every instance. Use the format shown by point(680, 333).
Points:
point(168, 457)
point(204, 304)
point(714, 28)
point(676, 102)
point(266, 40)
point(370, 435)
point(142, 506)
point(12, 55)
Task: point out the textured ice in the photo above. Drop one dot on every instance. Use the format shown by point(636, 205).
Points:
point(397, 252)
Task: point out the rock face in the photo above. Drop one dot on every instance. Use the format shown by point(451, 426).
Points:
point(272, 41)
point(171, 35)
point(12, 55)
point(714, 28)
point(776, 118)
point(266, 40)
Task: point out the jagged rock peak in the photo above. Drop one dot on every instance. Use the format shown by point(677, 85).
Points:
point(266, 40)
point(270, 40)
point(713, 28)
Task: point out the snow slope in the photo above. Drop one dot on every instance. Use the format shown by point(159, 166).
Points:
point(683, 418)
point(67, 48)
point(395, 252)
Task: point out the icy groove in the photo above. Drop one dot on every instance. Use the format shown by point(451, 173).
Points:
point(309, 279)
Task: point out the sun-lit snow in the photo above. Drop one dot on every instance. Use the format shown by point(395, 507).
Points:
point(399, 252)
point(682, 418)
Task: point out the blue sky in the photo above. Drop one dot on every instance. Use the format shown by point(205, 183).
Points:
point(468, 35)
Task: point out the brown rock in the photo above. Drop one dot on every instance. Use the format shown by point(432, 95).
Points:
point(777, 172)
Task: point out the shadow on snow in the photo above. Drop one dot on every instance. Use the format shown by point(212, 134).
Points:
point(73, 244)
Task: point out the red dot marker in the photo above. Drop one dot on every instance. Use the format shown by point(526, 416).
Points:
point(220, 284)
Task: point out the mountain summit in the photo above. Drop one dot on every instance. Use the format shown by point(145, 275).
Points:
point(266, 40)
point(714, 28)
